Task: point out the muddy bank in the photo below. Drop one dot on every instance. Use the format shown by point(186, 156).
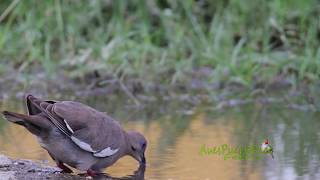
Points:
point(27, 169)
point(132, 92)
point(21, 169)
point(198, 81)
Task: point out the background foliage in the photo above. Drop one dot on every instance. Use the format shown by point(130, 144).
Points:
point(244, 41)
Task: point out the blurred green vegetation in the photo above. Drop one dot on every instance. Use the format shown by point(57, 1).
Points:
point(164, 40)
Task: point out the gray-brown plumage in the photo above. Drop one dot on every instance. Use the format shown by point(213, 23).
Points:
point(78, 135)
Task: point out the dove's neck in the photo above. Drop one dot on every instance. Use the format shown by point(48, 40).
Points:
point(127, 144)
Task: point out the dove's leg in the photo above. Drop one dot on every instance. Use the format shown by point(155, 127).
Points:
point(60, 165)
point(91, 173)
point(64, 168)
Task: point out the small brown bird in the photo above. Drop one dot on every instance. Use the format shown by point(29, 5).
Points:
point(78, 135)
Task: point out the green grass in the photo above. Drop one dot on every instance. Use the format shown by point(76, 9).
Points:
point(164, 41)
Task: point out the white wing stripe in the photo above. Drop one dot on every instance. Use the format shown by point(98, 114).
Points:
point(85, 146)
point(69, 128)
point(82, 145)
point(105, 152)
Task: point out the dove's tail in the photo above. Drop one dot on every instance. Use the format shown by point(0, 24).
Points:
point(33, 123)
point(16, 117)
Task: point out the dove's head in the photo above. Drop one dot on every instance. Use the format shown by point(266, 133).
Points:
point(138, 145)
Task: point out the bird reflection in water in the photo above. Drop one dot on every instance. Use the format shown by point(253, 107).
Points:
point(137, 175)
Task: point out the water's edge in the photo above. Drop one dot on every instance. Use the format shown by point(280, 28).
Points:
point(27, 169)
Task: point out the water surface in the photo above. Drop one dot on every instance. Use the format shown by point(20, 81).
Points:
point(176, 132)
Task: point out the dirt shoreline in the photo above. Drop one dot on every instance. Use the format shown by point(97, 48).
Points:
point(11, 169)
point(23, 169)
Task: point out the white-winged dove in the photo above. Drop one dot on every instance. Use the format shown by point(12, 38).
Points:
point(78, 135)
